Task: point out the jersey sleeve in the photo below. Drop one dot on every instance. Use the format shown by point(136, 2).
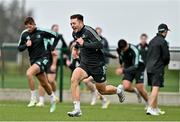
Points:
point(22, 42)
point(50, 34)
point(75, 38)
point(92, 40)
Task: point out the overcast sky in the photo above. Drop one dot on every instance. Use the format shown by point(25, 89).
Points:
point(118, 18)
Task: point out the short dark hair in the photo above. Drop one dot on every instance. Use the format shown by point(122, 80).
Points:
point(77, 16)
point(54, 25)
point(29, 20)
point(122, 44)
point(144, 34)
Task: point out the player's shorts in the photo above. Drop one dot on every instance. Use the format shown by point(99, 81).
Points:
point(97, 72)
point(138, 74)
point(156, 79)
point(42, 63)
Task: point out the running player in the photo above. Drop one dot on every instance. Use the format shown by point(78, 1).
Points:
point(33, 39)
point(91, 63)
point(89, 82)
point(132, 66)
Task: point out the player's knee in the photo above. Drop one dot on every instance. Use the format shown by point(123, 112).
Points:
point(101, 90)
point(51, 80)
point(74, 81)
point(126, 87)
point(43, 84)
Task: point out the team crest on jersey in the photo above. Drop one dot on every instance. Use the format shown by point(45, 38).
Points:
point(38, 36)
point(146, 48)
point(28, 37)
point(102, 78)
point(83, 36)
point(142, 76)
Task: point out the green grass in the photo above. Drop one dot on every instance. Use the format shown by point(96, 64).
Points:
point(17, 111)
point(15, 78)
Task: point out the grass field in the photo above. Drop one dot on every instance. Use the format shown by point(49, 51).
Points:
point(17, 111)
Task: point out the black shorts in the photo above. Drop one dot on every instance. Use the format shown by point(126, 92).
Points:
point(42, 63)
point(98, 73)
point(156, 79)
point(138, 75)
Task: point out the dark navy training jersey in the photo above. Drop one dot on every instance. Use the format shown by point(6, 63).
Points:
point(130, 59)
point(91, 53)
point(39, 39)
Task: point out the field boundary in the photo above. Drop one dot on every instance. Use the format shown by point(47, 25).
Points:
point(165, 98)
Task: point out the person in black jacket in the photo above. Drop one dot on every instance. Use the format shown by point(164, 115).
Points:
point(91, 63)
point(34, 40)
point(158, 57)
point(132, 67)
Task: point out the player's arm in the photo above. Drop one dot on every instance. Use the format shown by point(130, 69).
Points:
point(91, 40)
point(23, 42)
point(165, 53)
point(75, 53)
point(119, 69)
point(108, 54)
point(95, 42)
point(74, 57)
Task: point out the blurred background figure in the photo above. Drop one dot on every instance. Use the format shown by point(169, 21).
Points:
point(105, 46)
point(143, 49)
point(61, 47)
point(143, 46)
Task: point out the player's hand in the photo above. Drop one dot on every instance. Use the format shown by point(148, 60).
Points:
point(29, 43)
point(54, 53)
point(65, 56)
point(53, 68)
point(119, 71)
point(68, 63)
point(80, 41)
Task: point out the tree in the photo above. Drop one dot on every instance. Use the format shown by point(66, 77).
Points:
point(11, 20)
